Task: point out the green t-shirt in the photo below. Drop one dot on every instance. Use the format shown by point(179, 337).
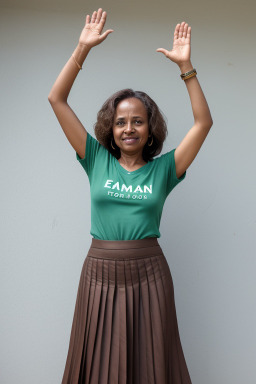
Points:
point(126, 205)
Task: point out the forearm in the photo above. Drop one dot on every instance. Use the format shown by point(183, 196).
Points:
point(63, 84)
point(201, 112)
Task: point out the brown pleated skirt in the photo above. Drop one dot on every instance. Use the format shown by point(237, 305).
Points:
point(125, 328)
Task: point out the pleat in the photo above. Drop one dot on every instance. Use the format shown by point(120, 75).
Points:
point(137, 332)
point(125, 328)
point(156, 325)
point(107, 329)
point(74, 356)
point(180, 374)
point(129, 321)
point(114, 346)
point(176, 376)
point(167, 319)
point(92, 289)
point(142, 340)
point(146, 319)
point(92, 325)
point(96, 356)
point(122, 373)
point(142, 324)
point(161, 312)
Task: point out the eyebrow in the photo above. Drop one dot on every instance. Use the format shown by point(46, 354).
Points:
point(135, 117)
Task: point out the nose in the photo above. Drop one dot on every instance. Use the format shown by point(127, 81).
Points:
point(129, 127)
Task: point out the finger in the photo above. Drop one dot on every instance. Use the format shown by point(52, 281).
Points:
point(185, 30)
point(176, 32)
point(99, 13)
point(164, 51)
point(105, 34)
point(103, 19)
point(87, 20)
point(94, 15)
point(181, 29)
point(189, 33)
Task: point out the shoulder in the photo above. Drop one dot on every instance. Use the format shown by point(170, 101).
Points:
point(93, 142)
point(167, 157)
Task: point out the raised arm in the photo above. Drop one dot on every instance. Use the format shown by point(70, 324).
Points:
point(71, 125)
point(180, 54)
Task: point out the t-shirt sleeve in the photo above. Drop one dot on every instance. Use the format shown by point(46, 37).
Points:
point(172, 179)
point(91, 151)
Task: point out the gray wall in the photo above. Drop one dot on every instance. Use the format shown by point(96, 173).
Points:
point(208, 225)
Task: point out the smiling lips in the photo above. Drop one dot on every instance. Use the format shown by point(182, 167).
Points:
point(130, 139)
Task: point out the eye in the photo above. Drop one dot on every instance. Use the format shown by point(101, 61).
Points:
point(119, 123)
point(138, 121)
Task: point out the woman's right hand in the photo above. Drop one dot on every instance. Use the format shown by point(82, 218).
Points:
point(91, 34)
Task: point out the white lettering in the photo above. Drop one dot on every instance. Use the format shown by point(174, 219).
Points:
point(138, 189)
point(116, 186)
point(147, 188)
point(122, 196)
point(126, 189)
point(106, 184)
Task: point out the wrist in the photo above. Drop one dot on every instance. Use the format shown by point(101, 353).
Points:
point(185, 67)
point(83, 47)
point(80, 53)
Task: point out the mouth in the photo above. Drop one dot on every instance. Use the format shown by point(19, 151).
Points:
point(130, 140)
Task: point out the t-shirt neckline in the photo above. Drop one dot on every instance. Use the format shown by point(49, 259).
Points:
point(136, 172)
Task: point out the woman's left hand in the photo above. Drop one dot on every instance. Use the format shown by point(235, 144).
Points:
point(181, 50)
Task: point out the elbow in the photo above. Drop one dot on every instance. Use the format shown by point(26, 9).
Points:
point(54, 99)
point(50, 98)
point(205, 125)
point(210, 122)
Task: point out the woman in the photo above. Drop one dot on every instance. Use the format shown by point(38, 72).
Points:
point(125, 326)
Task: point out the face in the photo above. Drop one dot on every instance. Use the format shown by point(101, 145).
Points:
point(130, 127)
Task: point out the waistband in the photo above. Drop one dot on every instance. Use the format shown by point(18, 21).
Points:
point(124, 249)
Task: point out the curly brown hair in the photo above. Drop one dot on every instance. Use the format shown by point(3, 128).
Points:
point(103, 128)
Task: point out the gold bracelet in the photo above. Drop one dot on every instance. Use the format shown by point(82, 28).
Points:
point(79, 66)
point(189, 74)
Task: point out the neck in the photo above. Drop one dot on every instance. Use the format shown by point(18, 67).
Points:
point(131, 160)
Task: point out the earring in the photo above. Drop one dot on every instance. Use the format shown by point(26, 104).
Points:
point(112, 144)
point(151, 142)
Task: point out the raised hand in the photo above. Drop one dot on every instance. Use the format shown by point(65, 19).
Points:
point(181, 49)
point(91, 34)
